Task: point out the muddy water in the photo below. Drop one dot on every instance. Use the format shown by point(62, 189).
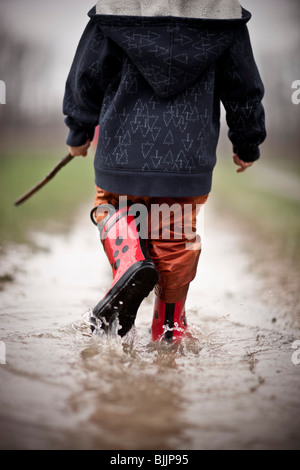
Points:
point(231, 385)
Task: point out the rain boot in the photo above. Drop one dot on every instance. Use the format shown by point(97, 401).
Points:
point(134, 273)
point(169, 321)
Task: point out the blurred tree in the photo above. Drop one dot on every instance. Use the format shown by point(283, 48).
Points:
point(21, 63)
point(296, 9)
point(279, 70)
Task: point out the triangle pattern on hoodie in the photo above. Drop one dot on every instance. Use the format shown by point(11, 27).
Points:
point(154, 85)
point(171, 70)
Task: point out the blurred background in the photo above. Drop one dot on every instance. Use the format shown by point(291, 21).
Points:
point(37, 44)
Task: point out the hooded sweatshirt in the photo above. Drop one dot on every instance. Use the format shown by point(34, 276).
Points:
point(153, 75)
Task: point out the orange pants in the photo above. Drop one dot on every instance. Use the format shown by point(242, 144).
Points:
point(172, 242)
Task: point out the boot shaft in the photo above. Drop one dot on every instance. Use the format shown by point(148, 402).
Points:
point(134, 273)
point(169, 321)
point(121, 241)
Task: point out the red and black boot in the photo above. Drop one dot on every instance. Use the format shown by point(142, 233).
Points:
point(169, 321)
point(134, 273)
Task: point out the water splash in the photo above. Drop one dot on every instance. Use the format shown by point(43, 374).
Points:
point(100, 326)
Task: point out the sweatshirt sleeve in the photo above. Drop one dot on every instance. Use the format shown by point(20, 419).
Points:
point(241, 92)
point(88, 78)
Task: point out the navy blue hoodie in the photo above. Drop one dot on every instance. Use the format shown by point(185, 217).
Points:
point(155, 84)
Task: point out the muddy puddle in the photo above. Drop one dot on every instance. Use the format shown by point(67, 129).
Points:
point(233, 384)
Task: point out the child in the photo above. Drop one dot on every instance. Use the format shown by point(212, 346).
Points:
point(152, 74)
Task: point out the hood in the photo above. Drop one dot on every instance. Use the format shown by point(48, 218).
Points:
point(221, 9)
point(172, 43)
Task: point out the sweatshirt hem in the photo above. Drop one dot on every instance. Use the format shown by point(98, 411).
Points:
point(153, 184)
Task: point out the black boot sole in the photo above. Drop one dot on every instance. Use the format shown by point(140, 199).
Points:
point(124, 298)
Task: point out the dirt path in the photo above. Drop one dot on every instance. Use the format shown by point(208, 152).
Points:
point(234, 385)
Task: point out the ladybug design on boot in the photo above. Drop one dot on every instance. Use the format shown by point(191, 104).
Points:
point(134, 273)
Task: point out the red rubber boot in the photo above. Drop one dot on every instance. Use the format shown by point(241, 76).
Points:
point(134, 273)
point(169, 321)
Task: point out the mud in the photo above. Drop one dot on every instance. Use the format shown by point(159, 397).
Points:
point(233, 384)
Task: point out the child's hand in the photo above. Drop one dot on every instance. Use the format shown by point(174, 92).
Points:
point(80, 151)
point(243, 165)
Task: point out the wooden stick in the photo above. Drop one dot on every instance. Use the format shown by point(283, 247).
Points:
point(44, 181)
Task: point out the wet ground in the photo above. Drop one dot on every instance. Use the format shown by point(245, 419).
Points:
point(234, 384)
